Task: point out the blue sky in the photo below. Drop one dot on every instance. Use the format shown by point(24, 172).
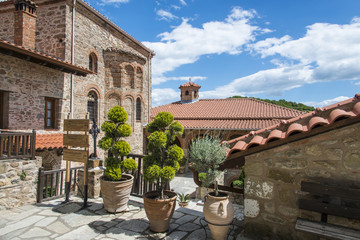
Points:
point(305, 51)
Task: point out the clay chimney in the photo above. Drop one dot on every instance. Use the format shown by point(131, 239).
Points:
point(25, 23)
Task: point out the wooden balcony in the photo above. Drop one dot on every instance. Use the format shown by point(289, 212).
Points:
point(17, 145)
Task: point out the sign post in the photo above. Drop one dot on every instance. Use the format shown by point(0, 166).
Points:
point(80, 154)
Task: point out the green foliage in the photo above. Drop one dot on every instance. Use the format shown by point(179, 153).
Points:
point(240, 182)
point(113, 173)
point(129, 164)
point(157, 140)
point(152, 173)
point(182, 162)
point(23, 175)
point(121, 148)
point(284, 103)
point(115, 129)
point(124, 130)
point(183, 198)
point(163, 159)
point(117, 114)
point(175, 153)
point(105, 143)
point(167, 173)
point(202, 176)
point(207, 154)
point(237, 183)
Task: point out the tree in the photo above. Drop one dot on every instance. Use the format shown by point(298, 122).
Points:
point(115, 129)
point(163, 159)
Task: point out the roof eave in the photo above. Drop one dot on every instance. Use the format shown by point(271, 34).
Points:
point(41, 59)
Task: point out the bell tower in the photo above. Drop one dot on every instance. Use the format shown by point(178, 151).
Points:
point(189, 92)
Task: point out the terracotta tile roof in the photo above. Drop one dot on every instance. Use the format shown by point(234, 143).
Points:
point(49, 141)
point(15, 50)
point(232, 113)
point(302, 124)
point(190, 84)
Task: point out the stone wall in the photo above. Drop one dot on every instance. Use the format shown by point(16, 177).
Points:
point(18, 182)
point(7, 23)
point(27, 92)
point(273, 177)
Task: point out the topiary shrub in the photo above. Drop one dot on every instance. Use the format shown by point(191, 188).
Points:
point(240, 182)
point(115, 129)
point(162, 162)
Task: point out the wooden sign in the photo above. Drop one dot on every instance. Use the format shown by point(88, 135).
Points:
point(76, 140)
point(75, 155)
point(76, 125)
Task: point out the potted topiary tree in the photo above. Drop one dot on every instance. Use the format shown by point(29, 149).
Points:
point(160, 166)
point(206, 155)
point(115, 184)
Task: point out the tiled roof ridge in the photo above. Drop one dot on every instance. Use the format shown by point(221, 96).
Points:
point(40, 53)
point(275, 105)
point(303, 123)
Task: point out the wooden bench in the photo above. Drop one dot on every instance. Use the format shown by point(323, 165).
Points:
point(329, 200)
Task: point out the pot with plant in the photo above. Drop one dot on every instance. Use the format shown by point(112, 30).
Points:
point(182, 163)
point(206, 155)
point(116, 185)
point(160, 166)
point(183, 199)
point(239, 183)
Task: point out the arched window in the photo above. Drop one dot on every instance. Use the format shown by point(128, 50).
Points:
point(138, 109)
point(93, 61)
point(92, 105)
point(187, 93)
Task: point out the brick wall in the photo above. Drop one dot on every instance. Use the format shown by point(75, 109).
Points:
point(273, 177)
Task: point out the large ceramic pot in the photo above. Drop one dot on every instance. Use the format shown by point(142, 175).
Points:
point(116, 194)
point(219, 213)
point(159, 211)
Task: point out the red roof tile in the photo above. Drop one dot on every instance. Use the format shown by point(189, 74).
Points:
point(232, 113)
point(305, 123)
point(49, 141)
point(190, 84)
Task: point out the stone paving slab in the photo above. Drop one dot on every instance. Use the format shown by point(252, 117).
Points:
point(64, 221)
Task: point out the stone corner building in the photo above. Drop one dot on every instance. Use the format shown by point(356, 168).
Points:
point(320, 146)
point(57, 60)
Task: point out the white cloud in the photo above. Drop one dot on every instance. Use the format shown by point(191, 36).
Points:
point(185, 44)
point(183, 2)
point(165, 15)
point(326, 102)
point(164, 95)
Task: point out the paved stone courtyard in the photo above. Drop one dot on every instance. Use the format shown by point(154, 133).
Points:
point(67, 221)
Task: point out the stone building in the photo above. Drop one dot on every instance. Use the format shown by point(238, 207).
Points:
point(61, 59)
point(225, 118)
point(115, 68)
point(320, 146)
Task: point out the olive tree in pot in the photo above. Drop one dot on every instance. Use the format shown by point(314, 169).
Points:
point(160, 166)
point(115, 185)
point(206, 155)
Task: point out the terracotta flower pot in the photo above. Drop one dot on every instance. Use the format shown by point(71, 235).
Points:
point(183, 204)
point(116, 194)
point(159, 211)
point(219, 213)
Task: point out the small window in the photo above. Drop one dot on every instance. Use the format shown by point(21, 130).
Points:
point(92, 105)
point(195, 93)
point(93, 62)
point(187, 93)
point(50, 113)
point(138, 109)
point(4, 109)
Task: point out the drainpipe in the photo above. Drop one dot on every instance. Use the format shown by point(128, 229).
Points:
point(149, 89)
point(72, 61)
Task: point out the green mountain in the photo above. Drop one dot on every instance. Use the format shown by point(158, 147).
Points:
point(284, 103)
